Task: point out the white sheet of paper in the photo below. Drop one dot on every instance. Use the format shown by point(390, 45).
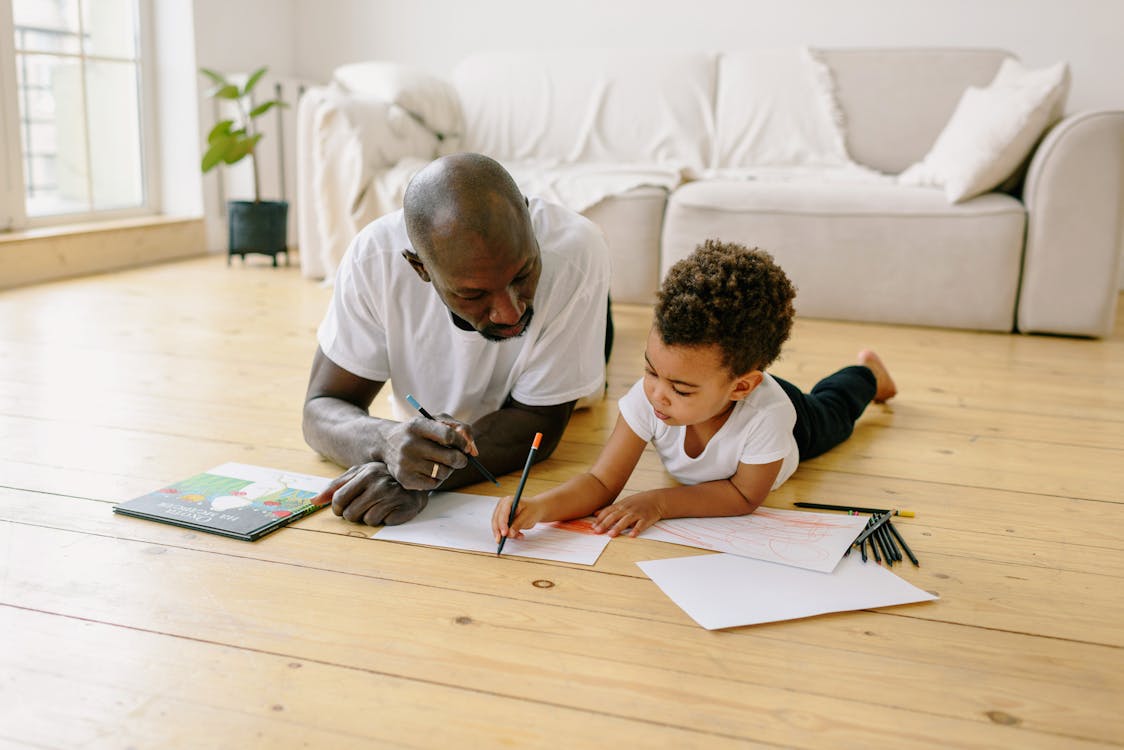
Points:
point(815, 541)
point(726, 591)
point(462, 521)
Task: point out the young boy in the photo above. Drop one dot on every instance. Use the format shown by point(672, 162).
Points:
point(725, 429)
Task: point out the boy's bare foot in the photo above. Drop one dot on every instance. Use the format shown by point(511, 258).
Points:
point(884, 384)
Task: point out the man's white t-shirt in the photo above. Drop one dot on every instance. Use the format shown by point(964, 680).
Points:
point(385, 323)
point(758, 431)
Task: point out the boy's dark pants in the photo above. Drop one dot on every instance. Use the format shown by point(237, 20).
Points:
point(826, 416)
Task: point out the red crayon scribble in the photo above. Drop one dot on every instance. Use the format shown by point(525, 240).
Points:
point(282, 513)
point(579, 525)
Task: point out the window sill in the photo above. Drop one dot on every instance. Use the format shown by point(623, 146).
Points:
point(48, 253)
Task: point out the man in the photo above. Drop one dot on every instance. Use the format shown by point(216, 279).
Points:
point(489, 308)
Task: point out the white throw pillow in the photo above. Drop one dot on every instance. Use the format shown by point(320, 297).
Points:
point(992, 131)
point(426, 98)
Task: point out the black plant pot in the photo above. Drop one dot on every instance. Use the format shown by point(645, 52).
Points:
point(258, 228)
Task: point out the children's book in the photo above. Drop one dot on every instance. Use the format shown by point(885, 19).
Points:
point(236, 500)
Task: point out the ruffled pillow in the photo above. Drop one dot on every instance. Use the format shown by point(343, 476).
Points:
point(429, 100)
point(992, 131)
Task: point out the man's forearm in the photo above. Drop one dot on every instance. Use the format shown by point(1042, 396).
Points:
point(343, 432)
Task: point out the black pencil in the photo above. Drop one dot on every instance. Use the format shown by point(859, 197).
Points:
point(471, 458)
point(876, 511)
point(519, 489)
point(863, 542)
point(887, 555)
point(852, 545)
point(893, 541)
point(888, 543)
point(872, 526)
point(905, 547)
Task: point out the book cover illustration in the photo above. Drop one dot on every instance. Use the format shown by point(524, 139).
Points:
point(237, 500)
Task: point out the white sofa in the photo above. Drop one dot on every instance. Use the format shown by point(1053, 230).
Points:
point(665, 149)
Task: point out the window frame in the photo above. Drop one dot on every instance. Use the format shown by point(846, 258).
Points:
point(13, 194)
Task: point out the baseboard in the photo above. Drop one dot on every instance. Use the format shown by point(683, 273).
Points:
point(38, 255)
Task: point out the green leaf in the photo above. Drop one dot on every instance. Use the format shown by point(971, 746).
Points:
point(229, 141)
point(264, 107)
point(231, 156)
point(220, 130)
point(238, 151)
point(218, 78)
point(213, 156)
point(229, 91)
point(221, 142)
point(254, 78)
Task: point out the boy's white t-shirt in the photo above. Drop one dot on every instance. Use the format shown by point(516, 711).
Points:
point(385, 323)
point(759, 431)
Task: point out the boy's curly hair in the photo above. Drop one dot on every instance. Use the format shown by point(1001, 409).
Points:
point(730, 295)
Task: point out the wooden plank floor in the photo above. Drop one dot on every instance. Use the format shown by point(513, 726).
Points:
point(125, 633)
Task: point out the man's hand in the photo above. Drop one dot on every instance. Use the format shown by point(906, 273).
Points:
point(419, 454)
point(368, 494)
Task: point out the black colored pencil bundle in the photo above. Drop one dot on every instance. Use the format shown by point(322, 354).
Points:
point(886, 542)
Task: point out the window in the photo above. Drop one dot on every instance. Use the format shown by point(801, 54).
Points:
point(73, 112)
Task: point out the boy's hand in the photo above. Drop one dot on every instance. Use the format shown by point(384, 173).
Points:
point(529, 513)
point(638, 512)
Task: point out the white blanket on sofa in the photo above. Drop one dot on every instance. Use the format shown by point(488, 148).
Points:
point(776, 119)
point(577, 186)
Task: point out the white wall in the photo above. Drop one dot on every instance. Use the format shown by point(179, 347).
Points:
point(238, 36)
point(434, 34)
point(177, 108)
point(243, 35)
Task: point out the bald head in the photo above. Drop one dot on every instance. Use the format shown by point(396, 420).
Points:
point(458, 195)
point(474, 241)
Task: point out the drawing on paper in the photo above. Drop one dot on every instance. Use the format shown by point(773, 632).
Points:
point(462, 521)
point(808, 540)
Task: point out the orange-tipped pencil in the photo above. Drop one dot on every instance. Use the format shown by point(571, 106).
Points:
point(519, 489)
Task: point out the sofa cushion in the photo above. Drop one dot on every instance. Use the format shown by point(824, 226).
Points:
point(992, 131)
point(631, 222)
point(590, 106)
point(880, 252)
point(626, 201)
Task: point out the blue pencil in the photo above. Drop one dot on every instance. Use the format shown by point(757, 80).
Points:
point(471, 458)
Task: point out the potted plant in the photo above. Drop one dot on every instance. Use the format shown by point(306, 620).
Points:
point(253, 226)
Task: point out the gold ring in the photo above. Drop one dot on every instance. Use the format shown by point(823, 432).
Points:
point(433, 473)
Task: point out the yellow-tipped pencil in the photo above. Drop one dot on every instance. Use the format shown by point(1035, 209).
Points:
point(876, 511)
